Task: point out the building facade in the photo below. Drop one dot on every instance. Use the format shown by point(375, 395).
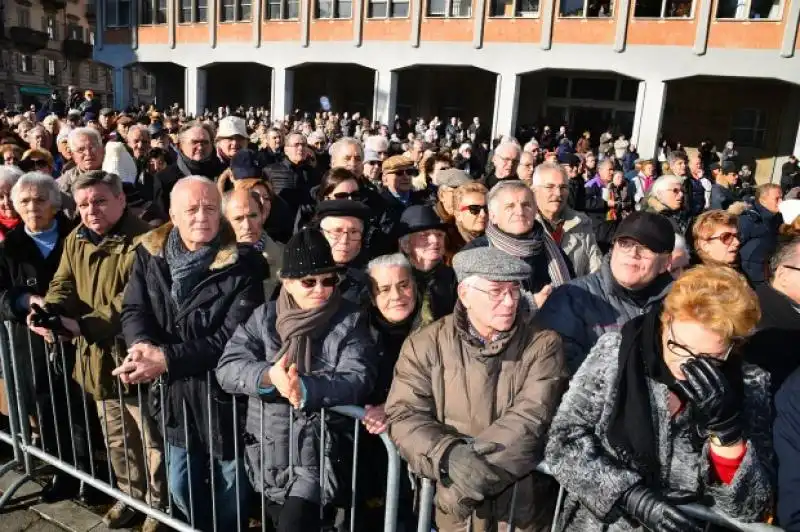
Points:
point(684, 70)
point(47, 45)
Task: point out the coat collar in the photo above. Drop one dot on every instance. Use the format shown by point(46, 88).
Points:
point(228, 254)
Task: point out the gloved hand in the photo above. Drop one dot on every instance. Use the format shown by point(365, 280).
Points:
point(470, 472)
point(710, 393)
point(654, 513)
point(453, 502)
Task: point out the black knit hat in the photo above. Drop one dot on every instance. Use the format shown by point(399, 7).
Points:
point(307, 253)
point(245, 165)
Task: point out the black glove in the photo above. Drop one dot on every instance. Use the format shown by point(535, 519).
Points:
point(654, 513)
point(714, 402)
point(468, 469)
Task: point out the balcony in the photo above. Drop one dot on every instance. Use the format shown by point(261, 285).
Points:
point(75, 49)
point(54, 5)
point(91, 11)
point(27, 39)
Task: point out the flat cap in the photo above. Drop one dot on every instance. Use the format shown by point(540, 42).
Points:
point(490, 264)
point(452, 178)
point(396, 163)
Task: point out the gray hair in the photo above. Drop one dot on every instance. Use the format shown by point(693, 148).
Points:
point(139, 127)
point(605, 162)
point(176, 190)
point(503, 186)
point(37, 127)
point(9, 175)
point(342, 143)
point(660, 185)
point(786, 253)
point(508, 144)
point(376, 143)
point(548, 167)
point(41, 182)
point(97, 177)
point(675, 156)
point(253, 195)
point(393, 260)
point(87, 132)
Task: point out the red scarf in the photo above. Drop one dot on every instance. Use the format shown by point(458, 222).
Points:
point(6, 225)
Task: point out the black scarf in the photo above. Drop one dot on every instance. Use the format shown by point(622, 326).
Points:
point(187, 268)
point(642, 296)
point(189, 166)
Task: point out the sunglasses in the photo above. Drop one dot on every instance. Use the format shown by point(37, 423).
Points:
point(355, 196)
point(726, 238)
point(326, 282)
point(474, 210)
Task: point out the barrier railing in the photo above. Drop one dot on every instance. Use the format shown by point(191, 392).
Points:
point(45, 369)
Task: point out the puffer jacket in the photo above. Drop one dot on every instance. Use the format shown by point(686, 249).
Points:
point(584, 309)
point(342, 373)
point(449, 388)
point(579, 243)
point(192, 335)
point(758, 234)
point(595, 477)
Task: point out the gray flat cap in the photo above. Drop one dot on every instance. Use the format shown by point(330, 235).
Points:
point(490, 264)
point(453, 178)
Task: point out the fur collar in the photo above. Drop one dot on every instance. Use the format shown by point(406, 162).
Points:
point(228, 254)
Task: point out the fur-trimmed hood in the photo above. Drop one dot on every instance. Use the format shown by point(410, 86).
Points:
point(228, 254)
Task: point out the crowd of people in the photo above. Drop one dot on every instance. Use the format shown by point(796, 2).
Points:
point(492, 304)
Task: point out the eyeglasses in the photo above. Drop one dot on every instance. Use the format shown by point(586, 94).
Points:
point(338, 234)
point(683, 351)
point(726, 238)
point(508, 159)
point(628, 245)
point(499, 294)
point(555, 188)
point(355, 196)
point(474, 210)
point(326, 282)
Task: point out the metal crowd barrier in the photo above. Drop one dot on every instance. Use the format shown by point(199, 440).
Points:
point(15, 367)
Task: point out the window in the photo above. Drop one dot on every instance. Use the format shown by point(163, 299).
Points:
point(282, 10)
point(23, 18)
point(234, 10)
point(51, 67)
point(749, 9)
point(201, 11)
point(74, 32)
point(748, 127)
point(449, 8)
point(144, 82)
point(93, 73)
point(514, 8)
point(49, 25)
point(191, 11)
point(557, 87)
point(146, 12)
point(387, 9)
point(663, 9)
point(585, 8)
point(26, 64)
point(334, 9)
point(118, 13)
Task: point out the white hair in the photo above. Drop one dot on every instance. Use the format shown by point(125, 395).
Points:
point(530, 145)
point(87, 132)
point(139, 127)
point(393, 260)
point(502, 186)
point(506, 144)
point(9, 175)
point(41, 182)
point(177, 189)
point(660, 185)
point(536, 180)
point(376, 143)
point(342, 143)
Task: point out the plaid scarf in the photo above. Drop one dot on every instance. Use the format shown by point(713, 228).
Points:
point(530, 245)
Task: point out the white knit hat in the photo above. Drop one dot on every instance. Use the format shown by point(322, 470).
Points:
point(118, 161)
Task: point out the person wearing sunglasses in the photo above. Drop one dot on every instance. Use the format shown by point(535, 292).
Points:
point(667, 198)
point(470, 216)
point(308, 350)
point(664, 412)
point(397, 193)
point(37, 160)
point(716, 240)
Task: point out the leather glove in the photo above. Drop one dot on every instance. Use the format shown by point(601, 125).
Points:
point(470, 472)
point(654, 513)
point(452, 502)
point(710, 393)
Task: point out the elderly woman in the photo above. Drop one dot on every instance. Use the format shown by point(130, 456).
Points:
point(37, 160)
point(470, 216)
point(308, 350)
point(666, 198)
point(11, 154)
point(701, 416)
point(715, 237)
point(8, 216)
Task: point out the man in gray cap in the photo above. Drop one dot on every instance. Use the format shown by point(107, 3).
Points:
point(472, 398)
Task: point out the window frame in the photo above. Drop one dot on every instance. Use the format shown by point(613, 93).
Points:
point(388, 4)
point(584, 16)
point(117, 23)
point(334, 9)
point(748, 4)
point(23, 68)
point(154, 12)
point(237, 12)
point(194, 9)
point(514, 7)
point(283, 10)
point(24, 17)
point(760, 126)
point(663, 16)
point(448, 11)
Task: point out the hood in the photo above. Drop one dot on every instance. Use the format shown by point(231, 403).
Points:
point(228, 253)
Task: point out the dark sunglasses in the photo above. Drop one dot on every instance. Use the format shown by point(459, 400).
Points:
point(355, 196)
point(327, 282)
point(726, 238)
point(474, 210)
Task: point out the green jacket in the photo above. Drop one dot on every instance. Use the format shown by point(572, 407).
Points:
point(89, 286)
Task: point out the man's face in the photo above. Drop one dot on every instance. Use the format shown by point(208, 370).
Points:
point(551, 194)
point(196, 214)
point(9, 158)
point(491, 305)
point(230, 146)
point(105, 121)
point(244, 215)
point(344, 234)
point(295, 149)
point(196, 144)
point(525, 168)
point(35, 208)
point(372, 170)
point(514, 211)
point(634, 266)
point(416, 152)
point(606, 172)
point(425, 249)
point(505, 161)
point(772, 200)
point(398, 181)
point(63, 149)
point(139, 143)
point(678, 167)
point(86, 154)
point(99, 208)
point(672, 196)
point(393, 291)
point(695, 166)
point(36, 138)
point(348, 157)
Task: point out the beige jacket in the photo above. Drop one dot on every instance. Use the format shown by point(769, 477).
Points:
point(579, 243)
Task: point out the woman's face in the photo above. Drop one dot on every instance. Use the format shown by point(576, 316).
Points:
point(685, 340)
point(312, 291)
point(723, 245)
point(465, 212)
point(343, 190)
point(393, 292)
point(35, 208)
point(6, 208)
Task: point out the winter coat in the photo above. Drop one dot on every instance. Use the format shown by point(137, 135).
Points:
point(439, 286)
point(758, 237)
point(170, 175)
point(449, 388)
point(595, 476)
point(88, 286)
point(584, 309)
point(293, 183)
point(342, 373)
point(595, 206)
point(681, 220)
point(579, 244)
point(192, 335)
point(389, 221)
point(786, 435)
point(577, 193)
point(722, 197)
point(64, 183)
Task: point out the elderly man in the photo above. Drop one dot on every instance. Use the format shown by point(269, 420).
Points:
point(38, 138)
point(569, 229)
point(292, 178)
point(513, 229)
point(596, 202)
point(423, 243)
point(633, 280)
point(188, 292)
point(138, 141)
point(347, 153)
point(86, 149)
point(271, 151)
point(246, 213)
point(231, 137)
point(86, 292)
point(527, 163)
point(479, 426)
point(397, 193)
point(505, 160)
point(758, 232)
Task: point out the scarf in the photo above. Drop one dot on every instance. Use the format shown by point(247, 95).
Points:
point(187, 267)
point(530, 245)
point(8, 223)
point(611, 214)
point(191, 167)
point(296, 327)
point(262, 242)
point(45, 240)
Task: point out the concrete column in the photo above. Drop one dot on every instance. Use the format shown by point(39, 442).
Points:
point(506, 103)
point(282, 92)
point(384, 101)
point(195, 90)
point(648, 116)
point(122, 88)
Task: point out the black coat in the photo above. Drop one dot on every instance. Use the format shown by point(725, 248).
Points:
point(172, 173)
point(192, 334)
point(390, 218)
point(722, 197)
point(438, 286)
point(293, 183)
point(786, 442)
point(758, 234)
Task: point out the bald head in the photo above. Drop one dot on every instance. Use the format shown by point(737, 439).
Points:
point(244, 212)
point(195, 211)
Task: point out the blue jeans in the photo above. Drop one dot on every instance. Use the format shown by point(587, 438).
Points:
point(225, 499)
